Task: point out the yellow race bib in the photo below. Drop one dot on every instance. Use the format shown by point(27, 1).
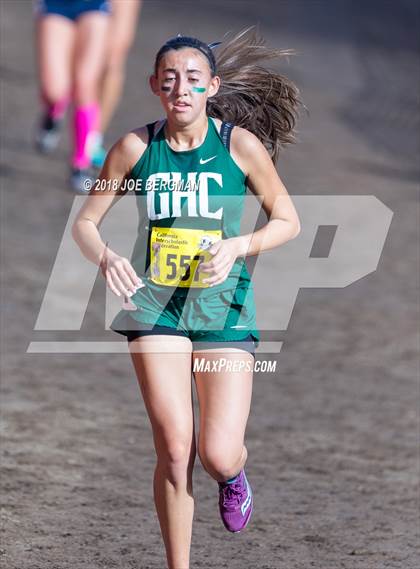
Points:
point(175, 254)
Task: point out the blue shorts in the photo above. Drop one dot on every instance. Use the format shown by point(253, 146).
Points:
point(71, 9)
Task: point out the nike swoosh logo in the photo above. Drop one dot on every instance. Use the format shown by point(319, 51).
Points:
point(207, 160)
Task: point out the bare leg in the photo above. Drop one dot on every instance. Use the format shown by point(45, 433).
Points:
point(165, 381)
point(121, 35)
point(89, 60)
point(92, 29)
point(55, 37)
point(225, 399)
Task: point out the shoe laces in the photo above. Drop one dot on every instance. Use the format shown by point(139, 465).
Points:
point(232, 495)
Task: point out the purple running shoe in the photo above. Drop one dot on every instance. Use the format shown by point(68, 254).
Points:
point(235, 503)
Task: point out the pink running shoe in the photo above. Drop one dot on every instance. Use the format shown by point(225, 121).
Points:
point(235, 503)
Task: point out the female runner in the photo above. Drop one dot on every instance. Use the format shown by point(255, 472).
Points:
point(71, 40)
point(196, 299)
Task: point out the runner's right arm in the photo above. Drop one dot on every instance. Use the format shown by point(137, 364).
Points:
point(119, 273)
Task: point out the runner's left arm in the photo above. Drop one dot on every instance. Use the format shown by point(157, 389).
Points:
point(263, 180)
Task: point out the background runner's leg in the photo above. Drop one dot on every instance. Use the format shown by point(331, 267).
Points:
point(123, 25)
point(55, 37)
point(89, 61)
point(55, 43)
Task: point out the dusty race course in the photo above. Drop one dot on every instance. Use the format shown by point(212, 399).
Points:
point(333, 433)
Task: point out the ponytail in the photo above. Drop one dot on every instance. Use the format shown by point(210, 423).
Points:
point(252, 96)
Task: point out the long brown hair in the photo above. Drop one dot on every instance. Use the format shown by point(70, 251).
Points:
point(252, 96)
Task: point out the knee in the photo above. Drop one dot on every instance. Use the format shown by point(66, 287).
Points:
point(222, 462)
point(176, 457)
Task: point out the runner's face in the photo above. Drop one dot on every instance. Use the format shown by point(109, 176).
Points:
point(184, 83)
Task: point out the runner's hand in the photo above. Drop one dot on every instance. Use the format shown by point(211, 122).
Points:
point(224, 254)
point(119, 274)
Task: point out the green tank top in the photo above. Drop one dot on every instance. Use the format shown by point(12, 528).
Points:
point(200, 189)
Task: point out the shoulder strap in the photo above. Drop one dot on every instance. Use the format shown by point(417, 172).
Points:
point(150, 130)
point(225, 132)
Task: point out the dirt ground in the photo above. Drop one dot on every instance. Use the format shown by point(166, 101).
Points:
point(333, 433)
